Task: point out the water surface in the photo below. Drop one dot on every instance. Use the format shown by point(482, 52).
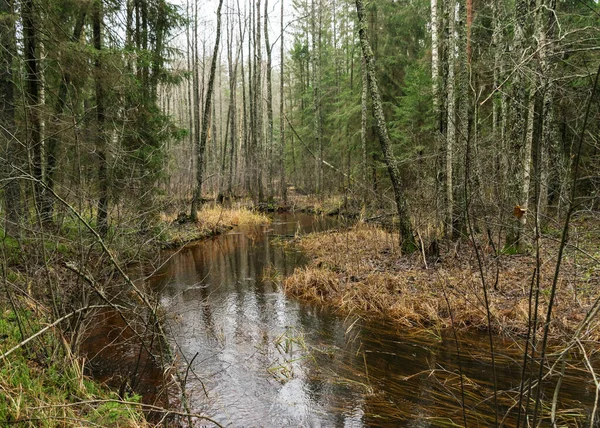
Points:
point(260, 359)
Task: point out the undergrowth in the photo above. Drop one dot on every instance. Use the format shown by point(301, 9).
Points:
point(42, 384)
point(362, 271)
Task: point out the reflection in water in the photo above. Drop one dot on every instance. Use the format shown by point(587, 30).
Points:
point(269, 361)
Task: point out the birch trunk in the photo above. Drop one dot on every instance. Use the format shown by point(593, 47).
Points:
point(197, 200)
point(12, 192)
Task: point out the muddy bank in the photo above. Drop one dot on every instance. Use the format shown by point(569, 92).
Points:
point(361, 271)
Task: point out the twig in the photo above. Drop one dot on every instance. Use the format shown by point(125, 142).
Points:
point(48, 327)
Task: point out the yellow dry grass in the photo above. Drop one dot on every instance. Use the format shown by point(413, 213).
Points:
point(361, 271)
point(212, 220)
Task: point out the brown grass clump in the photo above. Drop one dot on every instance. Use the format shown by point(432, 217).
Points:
point(362, 271)
point(212, 220)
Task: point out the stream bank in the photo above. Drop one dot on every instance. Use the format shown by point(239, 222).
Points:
point(259, 357)
point(361, 271)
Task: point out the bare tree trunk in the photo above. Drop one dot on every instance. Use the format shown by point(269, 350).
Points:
point(435, 61)
point(12, 192)
point(269, 105)
point(233, 106)
point(451, 127)
point(32, 98)
point(281, 113)
point(316, 99)
point(102, 214)
point(196, 201)
point(258, 101)
point(52, 145)
point(246, 132)
point(519, 132)
point(363, 131)
point(545, 30)
point(407, 239)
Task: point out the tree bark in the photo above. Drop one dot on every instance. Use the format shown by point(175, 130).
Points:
point(53, 138)
point(200, 149)
point(363, 131)
point(281, 114)
point(269, 105)
point(102, 214)
point(32, 96)
point(451, 121)
point(407, 240)
point(12, 192)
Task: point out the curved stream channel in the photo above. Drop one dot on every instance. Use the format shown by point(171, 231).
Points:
point(262, 359)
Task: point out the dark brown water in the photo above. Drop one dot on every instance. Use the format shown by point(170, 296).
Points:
point(263, 360)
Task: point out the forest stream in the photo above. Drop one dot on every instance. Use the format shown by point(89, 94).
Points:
point(260, 359)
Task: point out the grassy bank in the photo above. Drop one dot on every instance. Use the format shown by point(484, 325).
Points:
point(42, 383)
point(59, 284)
point(212, 220)
point(361, 271)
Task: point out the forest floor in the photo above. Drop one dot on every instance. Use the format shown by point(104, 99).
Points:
point(361, 271)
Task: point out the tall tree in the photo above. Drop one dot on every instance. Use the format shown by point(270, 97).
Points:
point(12, 197)
point(269, 102)
point(281, 115)
point(32, 95)
point(451, 121)
point(200, 149)
point(52, 147)
point(406, 234)
point(102, 208)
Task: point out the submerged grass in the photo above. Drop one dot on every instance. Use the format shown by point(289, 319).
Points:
point(362, 271)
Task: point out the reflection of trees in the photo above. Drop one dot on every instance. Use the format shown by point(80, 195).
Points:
point(124, 357)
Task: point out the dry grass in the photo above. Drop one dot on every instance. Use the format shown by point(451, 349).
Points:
point(362, 271)
point(212, 220)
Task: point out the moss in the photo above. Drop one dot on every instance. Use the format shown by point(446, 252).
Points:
point(43, 386)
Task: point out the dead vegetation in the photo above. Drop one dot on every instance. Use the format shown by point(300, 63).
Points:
point(361, 271)
point(212, 220)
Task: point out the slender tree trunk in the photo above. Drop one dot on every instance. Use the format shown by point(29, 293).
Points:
point(245, 136)
point(281, 119)
point(406, 235)
point(519, 132)
point(233, 104)
point(102, 214)
point(363, 131)
point(197, 200)
point(192, 90)
point(269, 105)
point(316, 98)
point(435, 65)
point(545, 32)
point(451, 121)
point(12, 192)
point(258, 102)
point(53, 138)
point(32, 91)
